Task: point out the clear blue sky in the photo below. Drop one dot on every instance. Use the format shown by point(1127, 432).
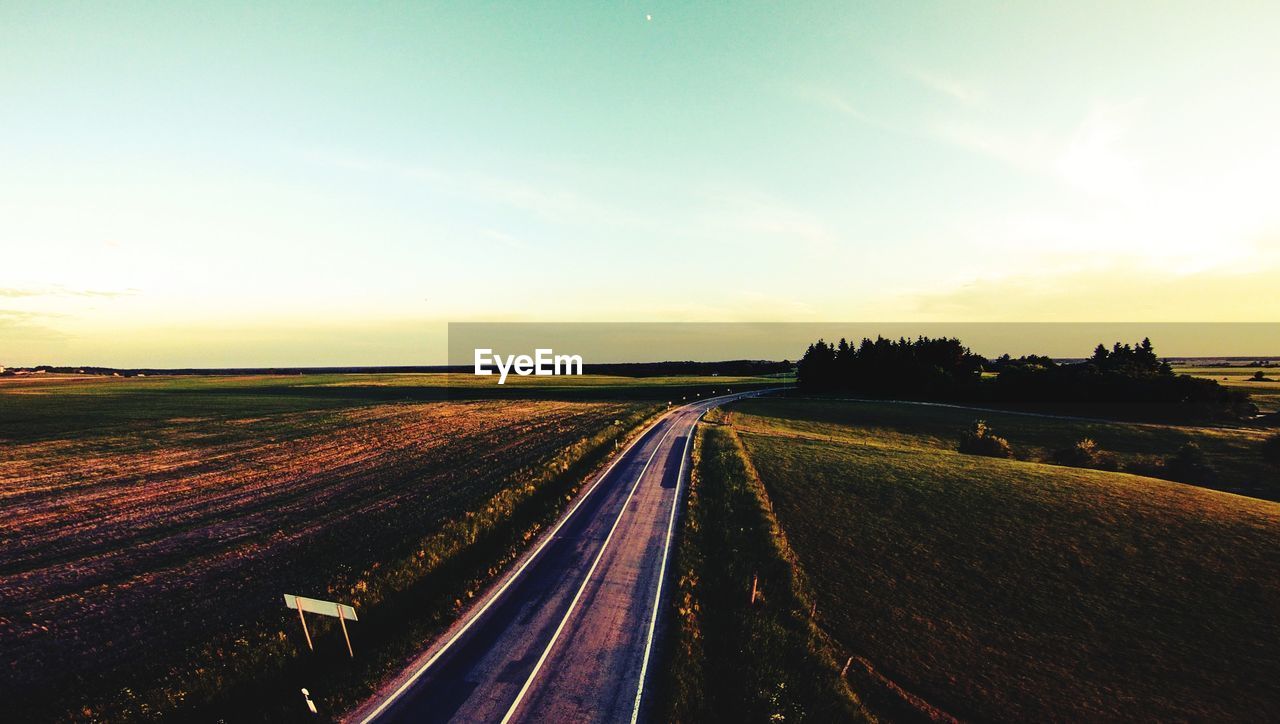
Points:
point(311, 183)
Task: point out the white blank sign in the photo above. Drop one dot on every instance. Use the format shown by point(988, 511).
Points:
point(324, 608)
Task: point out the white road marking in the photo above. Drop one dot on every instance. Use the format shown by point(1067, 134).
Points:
point(573, 605)
point(662, 573)
point(547, 538)
point(510, 579)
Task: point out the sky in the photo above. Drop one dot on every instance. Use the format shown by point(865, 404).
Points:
point(241, 184)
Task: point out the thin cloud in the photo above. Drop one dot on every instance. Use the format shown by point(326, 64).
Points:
point(760, 214)
point(23, 326)
point(833, 100)
point(1091, 157)
point(1094, 158)
point(61, 291)
point(509, 240)
point(1027, 152)
point(1117, 293)
point(365, 164)
point(553, 204)
point(945, 85)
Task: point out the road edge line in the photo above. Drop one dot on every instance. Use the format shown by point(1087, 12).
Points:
point(662, 570)
point(550, 535)
point(573, 605)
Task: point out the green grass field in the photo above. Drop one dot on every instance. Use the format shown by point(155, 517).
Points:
point(1010, 590)
point(1234, 453)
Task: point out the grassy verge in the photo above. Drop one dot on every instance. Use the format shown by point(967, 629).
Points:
point(1008, 590)
point(732, 659)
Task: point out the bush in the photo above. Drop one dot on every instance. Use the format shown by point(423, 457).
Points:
point(980, 440)
point(1271, 450)
point(1259, 376)
point(1085, 454)
point(1188, 465)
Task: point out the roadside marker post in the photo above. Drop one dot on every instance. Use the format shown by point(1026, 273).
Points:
point(340, 611)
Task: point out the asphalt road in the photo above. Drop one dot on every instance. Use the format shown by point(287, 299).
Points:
point(568, 636)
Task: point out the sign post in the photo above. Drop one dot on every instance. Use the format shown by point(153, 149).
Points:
point(340, 611)
point(303, 619)
point(342, 621)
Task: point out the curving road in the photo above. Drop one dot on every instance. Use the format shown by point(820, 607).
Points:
point(569, 634)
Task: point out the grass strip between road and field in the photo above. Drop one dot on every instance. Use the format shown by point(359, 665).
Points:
point(729, 658)
point(256, 675)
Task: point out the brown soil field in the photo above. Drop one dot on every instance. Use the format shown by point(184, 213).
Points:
point(126, 550)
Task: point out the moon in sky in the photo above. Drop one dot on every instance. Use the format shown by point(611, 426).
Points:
point(648, 17)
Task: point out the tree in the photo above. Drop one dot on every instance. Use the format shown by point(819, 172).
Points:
point(1146, 353)
point(1126, 380)
point(1100, 355)
point(923, 367)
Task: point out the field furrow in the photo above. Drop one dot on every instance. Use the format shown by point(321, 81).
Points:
point(155, 537)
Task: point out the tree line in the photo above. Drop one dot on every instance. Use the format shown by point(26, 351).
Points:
point(1128, 380)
